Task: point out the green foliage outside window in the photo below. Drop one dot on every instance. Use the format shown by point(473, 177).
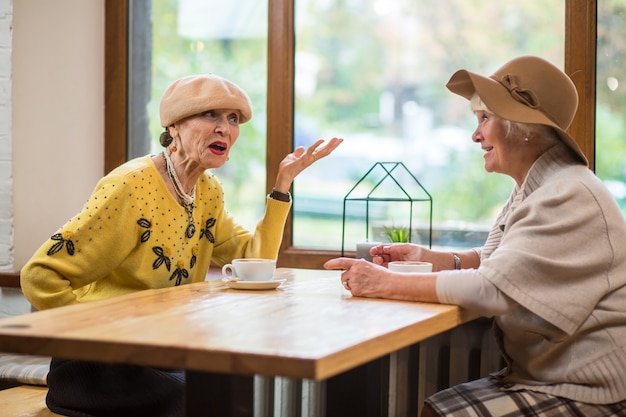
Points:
point(350, 57)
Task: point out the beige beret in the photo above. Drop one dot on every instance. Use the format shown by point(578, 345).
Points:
point(195, 94)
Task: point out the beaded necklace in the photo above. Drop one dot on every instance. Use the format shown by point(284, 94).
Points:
point(185, 199)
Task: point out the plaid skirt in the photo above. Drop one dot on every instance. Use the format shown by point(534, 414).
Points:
point(485, 398)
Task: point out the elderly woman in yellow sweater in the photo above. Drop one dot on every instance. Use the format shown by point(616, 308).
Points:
point(552, 272)
point(154, 222)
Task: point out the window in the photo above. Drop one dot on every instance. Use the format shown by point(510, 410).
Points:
point(378, 80)
point(286, 82)
point(611, 99)
point(174, 38)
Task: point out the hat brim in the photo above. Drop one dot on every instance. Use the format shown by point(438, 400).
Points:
point(498, 99)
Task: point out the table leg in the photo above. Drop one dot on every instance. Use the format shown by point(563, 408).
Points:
point(313, 398)
point(288, 397)
point(213, 394)
point(264, 388)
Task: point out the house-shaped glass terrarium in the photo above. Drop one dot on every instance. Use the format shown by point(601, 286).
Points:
point(387, 204)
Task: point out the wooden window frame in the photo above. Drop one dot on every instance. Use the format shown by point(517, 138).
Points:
point(580, 60)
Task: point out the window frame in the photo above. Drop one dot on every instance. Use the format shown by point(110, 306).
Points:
point(580, 60)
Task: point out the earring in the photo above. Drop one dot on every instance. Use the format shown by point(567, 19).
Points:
point(526, 139)
point(174, 148)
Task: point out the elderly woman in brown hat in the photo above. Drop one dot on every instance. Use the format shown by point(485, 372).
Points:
point(156, 221)
point(552, 272)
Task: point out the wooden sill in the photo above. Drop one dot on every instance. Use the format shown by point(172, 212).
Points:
point(10, 279)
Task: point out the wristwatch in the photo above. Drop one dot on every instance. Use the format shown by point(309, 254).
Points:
point(277, 195)
point(457, 261)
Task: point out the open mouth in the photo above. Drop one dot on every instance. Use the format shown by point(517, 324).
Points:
point(218, 147)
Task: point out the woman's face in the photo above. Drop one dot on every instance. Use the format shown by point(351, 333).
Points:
point(502, 155)
point(206, 138)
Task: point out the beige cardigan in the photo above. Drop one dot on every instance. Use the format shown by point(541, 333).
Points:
point(558, 249)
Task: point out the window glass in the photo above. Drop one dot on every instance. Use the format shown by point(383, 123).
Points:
point(610, 160)
point(203, 36)
point(374, 73)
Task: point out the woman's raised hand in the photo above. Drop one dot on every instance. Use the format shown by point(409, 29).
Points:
point(300, 159)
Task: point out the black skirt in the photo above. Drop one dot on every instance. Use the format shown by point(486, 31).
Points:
point(94, 389)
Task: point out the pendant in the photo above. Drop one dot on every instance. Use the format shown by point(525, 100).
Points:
point(190, 231)
point(191, 228)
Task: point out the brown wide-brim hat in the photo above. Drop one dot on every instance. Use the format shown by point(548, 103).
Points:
point(195, 94)
point(527, 89)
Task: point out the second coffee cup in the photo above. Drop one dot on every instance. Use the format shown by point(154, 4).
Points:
point(410, 266)
point(250, 269)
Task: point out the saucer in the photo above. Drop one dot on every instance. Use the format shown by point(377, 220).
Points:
point(254, 285)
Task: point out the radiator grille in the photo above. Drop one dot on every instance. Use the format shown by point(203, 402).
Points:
point(463, 354)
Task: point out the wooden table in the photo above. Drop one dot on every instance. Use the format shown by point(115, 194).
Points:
point(309, 328)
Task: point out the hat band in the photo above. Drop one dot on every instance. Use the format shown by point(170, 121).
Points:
point(526, 97)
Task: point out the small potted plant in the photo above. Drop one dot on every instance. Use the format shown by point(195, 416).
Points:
point(399, 234)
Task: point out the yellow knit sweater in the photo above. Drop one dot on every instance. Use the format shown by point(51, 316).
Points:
point(130, 236)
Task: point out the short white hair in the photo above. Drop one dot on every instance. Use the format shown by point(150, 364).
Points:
point(477, 104)
point(516, 129)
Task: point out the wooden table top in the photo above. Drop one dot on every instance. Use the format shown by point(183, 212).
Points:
point(309, 327)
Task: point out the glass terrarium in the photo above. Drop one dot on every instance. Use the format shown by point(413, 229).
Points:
point(388, 204)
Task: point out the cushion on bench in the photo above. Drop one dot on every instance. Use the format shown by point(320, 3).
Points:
point(24, 369)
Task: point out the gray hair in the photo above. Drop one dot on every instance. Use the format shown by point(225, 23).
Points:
point(516, 129)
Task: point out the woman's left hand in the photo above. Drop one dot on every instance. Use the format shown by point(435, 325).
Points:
point(360, 277)
point(300, 159)
point(366, 279)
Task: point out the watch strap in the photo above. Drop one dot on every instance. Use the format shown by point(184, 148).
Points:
point(457, 261)
point(277, 195)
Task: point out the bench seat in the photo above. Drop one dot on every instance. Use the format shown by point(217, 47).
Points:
point(25, 401)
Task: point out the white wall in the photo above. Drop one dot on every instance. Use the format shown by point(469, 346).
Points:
point(58, 115)
point(6, 164)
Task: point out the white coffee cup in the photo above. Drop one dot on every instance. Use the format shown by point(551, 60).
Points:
point(250, 269)
point(363, 250)
point(410, 266)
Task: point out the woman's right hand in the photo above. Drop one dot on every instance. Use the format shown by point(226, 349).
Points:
point(388, 252)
